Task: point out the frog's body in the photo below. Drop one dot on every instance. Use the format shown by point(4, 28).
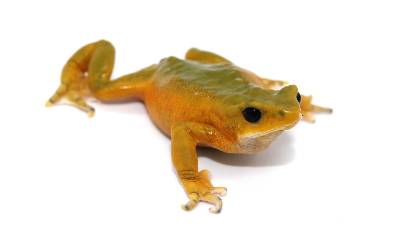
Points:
point(202, 100)
point(213, 94)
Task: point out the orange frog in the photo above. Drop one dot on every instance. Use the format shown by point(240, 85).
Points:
point(203, 100)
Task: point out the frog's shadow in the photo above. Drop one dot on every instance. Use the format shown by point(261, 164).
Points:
point(280, 152)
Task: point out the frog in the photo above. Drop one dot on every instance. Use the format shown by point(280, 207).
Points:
point(203, 100)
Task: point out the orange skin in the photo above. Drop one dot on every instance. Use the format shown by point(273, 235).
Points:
point(204, 100)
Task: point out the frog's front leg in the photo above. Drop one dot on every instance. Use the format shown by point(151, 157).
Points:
point(308, 109)
point(197, 185)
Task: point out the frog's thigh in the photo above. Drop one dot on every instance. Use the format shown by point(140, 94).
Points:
point(125, 87)
point(197, 184)
point(205, 57)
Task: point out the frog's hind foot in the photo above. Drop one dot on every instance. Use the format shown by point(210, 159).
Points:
point(76, 100)
point(74, 91)
point(308, 109)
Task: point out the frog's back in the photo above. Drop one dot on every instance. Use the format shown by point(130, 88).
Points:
point(209, 77)
point(186, 90)
point(222, 81)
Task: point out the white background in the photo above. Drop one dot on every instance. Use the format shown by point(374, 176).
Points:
point(63, 174)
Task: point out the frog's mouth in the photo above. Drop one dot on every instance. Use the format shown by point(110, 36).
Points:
point(257, 142)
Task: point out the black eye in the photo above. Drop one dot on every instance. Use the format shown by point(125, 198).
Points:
point(251, 114)
point(298, 97)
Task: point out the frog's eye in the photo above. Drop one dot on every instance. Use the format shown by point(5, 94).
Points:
point(298, 97)
point(251, 114)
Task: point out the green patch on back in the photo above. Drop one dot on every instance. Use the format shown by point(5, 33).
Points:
point(223, 81)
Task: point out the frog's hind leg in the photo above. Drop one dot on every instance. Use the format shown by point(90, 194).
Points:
point(308, 109)
point(88, 73)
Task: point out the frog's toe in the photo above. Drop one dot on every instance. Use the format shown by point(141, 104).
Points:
point(58, 94)
point(193, 201)
point(49, 103)
point(320, 109)
point(220, 191)
point(91, 112)
point(78, 101)
point(214, 200)
point(308, 117)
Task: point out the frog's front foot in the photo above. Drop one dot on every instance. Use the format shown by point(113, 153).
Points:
point(199, 188)
point(308, 109)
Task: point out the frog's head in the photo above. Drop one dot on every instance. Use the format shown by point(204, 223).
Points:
point(262, 115)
